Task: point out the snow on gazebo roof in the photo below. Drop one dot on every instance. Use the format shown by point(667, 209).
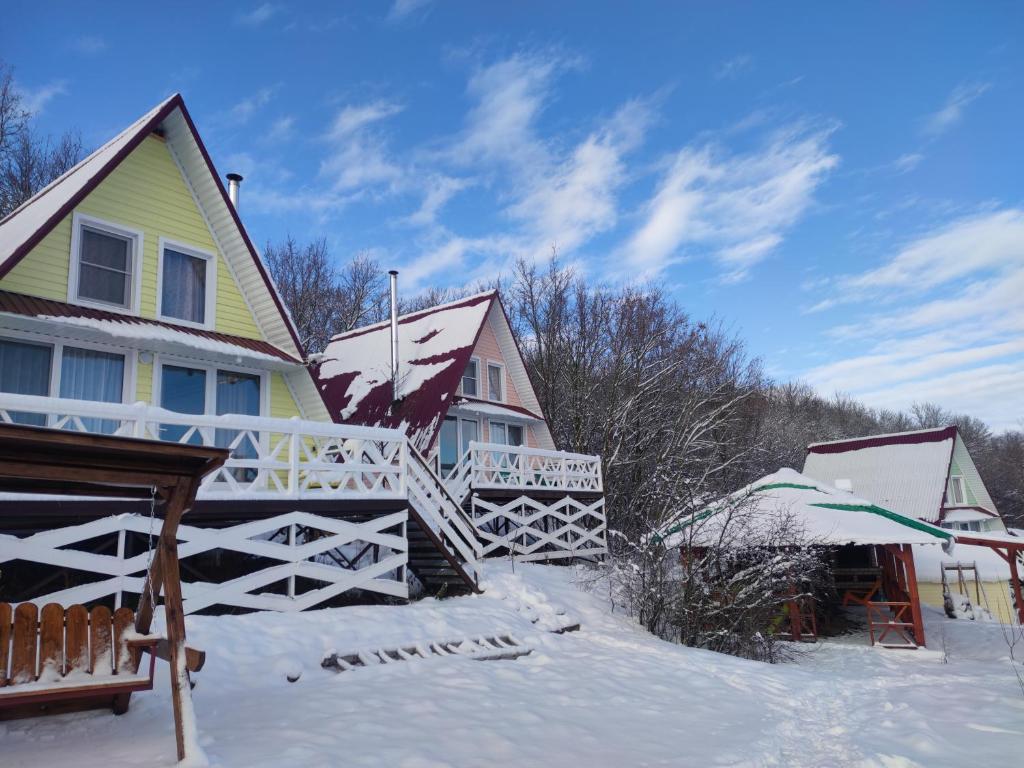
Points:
point(434, 346)
point(816, 512)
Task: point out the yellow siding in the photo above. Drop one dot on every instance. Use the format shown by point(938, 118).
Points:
point(282, 405)
point(998, 601)
point(147, 192)
point(144, 383)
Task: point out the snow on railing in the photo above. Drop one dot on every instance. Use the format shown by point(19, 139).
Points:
point(494, 466)
point(270, 457)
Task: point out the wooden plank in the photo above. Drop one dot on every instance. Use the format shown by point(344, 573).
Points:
point(76, 639)
point(100, 654)
point(124, 663)
point(23, 647)
point(5, 640)
point(51, 642)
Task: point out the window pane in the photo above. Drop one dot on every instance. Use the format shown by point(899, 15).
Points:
point(25, 370)
point(103, 249)
point(494, 382)
point(497, 433)
point(105, 268)
point(448, 452)
point(182, 390)
point(86, 374)
point(238, 393)
point(469, 379)
point(183, 292)
point(469, 433)
point(515, 434)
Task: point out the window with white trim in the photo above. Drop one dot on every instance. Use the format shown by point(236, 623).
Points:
point(104, 264)
point(956, 490)
point(471, 378)
point(495, 382)
point(80, 373)
point(505, 433)
point(187, 284)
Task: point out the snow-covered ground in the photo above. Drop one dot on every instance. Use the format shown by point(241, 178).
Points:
point(608, 695)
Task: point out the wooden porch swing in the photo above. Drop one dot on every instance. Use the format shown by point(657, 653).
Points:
point(62, 659)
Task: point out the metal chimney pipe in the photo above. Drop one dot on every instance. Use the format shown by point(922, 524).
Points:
point(234, 182)
point(394, 334)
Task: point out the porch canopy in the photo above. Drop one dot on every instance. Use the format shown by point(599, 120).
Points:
point(787, 509)
point(813, 513)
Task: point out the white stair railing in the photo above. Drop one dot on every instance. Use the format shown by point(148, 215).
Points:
point(435, 504)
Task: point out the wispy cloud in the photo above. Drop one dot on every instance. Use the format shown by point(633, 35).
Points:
point(734, 67)
point(281, 129)
point(89, 45)
point(734, 207)
point(952, 111)
point(34, 100)
point(258, 15)
point(359, 158)
point(402, 9)
point(941, 319)
point(242, 111)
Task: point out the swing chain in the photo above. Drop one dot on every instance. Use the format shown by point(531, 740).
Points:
point(149, 548)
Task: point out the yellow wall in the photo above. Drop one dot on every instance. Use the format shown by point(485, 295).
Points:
point(146, 191)
point(998, 601)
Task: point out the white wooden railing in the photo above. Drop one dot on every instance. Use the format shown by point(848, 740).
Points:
point(271, 458)
point(490, 466)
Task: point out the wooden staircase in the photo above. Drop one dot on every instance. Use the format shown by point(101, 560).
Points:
point(444, 552)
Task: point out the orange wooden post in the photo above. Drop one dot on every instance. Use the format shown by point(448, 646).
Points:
point(1015, 583)
point(915, 600)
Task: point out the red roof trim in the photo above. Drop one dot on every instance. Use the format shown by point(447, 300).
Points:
point(33, 306)
point(913, 438)
point(89, 186)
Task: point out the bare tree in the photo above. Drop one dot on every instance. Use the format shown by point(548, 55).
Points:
point(28, 161)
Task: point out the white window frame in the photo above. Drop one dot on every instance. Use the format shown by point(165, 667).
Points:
point(57, 358)
point(79, 220)
point(503, 394)
point(210, 405)
point(506, 424)
point(479, 387)
point(956, 483)
point(211, 283)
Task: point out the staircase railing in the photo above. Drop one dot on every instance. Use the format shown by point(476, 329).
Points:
point(460, 478)
point(440, 512)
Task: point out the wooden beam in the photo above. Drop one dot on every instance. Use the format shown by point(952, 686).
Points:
point(915, 599)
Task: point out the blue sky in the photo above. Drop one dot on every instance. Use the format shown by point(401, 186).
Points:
point(841, 185)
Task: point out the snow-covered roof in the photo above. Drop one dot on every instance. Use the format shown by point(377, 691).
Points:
point(812, 511)
point(905, 472)
point(434, 346)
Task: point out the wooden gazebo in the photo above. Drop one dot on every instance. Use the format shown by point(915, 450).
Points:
point(36, 460)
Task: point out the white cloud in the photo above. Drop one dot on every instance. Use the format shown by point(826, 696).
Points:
point(733, 207)
point(952, 111)
point(352, 118)
point(907, 162)
point(402, 9)
point(941, 320)
point(281, 129)
point(359, 158)
point(243, 111)
point(34, 100)
point(440, 189)
point(734, 67)
point(258, 15)
point(981, 242)
point(89, 45)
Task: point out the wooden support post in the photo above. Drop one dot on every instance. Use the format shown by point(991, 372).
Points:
point(915, 600)
point(1015, 584)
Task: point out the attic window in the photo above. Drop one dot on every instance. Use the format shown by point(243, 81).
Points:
point(495, 382)
point(104, 264)
point(471, 378)
point(956, 486)
point(187, 284)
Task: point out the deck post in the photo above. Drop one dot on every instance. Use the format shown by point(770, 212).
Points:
point(291, 579)
point(1015, 584)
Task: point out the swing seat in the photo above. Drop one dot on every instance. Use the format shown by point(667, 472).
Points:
point(65, 660)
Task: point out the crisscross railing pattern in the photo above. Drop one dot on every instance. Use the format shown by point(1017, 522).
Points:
point(490, 466)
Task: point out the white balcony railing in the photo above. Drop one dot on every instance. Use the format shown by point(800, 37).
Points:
point(490, 466)
point(270, 458)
